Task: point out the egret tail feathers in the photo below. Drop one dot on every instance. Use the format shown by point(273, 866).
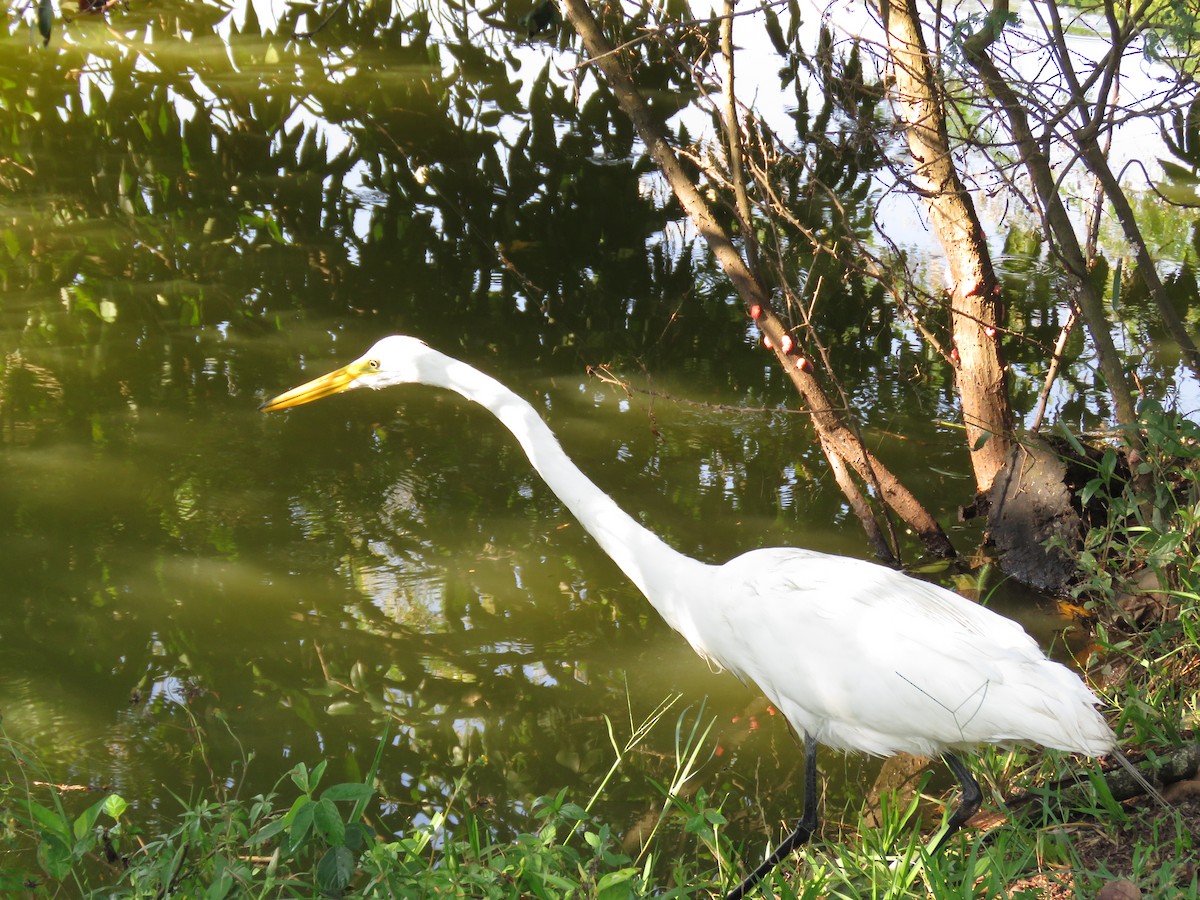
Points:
point(1141, 779)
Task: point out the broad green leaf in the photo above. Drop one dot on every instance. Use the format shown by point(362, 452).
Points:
point(115, 805)
point(335, 870)
point(50, 820)
point(1108, 464)
point(298, 834)
point(615, 885)
point(55, 858)
point(328, 822)
point(350, 790)
point(357, 836)
point(1179, 174)
point(86, 820)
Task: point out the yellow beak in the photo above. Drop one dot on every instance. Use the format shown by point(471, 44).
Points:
point(333, 383)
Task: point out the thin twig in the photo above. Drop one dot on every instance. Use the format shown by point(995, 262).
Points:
point(1056, 359)
point(605, 375)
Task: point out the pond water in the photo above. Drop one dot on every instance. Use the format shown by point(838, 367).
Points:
point(193, 592)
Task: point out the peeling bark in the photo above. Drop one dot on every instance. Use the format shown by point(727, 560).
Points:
point(975, 308)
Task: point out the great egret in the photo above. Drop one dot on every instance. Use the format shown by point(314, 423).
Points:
point(855, 655)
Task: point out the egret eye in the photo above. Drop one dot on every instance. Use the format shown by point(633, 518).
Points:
point(372, 363)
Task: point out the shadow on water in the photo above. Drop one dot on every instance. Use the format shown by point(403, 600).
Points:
point(198, 216)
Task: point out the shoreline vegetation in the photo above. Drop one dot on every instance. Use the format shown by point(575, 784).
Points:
point(1052, 826)
point(899, 239)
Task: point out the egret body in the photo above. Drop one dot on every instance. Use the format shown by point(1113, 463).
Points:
point(855, 655)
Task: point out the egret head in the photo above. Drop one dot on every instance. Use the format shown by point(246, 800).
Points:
point(396, 359)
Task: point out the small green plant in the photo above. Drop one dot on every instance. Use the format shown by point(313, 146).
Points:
point(1149, 493)
point(1140, 574)
point(33, 805)
point(319, 843)
point(316, 826)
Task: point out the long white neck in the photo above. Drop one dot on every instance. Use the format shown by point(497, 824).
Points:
point(657, 569)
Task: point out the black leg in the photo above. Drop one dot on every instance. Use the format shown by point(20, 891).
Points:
point(804, 830)
point(968, 804)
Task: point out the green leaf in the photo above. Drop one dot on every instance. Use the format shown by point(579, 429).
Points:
point(328, 823)
point(305, 779)
point(51, 821)
point(86, 820)
point(221, 886)
point(301, 825)
point(1178, 173)
point(317, 774)
point(774, 32)
point(614, 885)
point(115, 806)
point(360, 805)
point(1177, 193)
point(1108, 464)
point(268, 831)
point(357, 836)
point(55, 858)
point(1071, 439)
point(335, 870)
point(573, 812)
point(299, 776)
point(350, 790)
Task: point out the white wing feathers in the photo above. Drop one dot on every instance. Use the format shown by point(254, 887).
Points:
point(865, 658)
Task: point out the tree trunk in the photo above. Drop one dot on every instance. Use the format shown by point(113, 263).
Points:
point(975, 309)
point(835, 437)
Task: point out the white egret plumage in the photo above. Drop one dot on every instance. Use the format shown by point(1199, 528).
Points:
point(855, 655)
